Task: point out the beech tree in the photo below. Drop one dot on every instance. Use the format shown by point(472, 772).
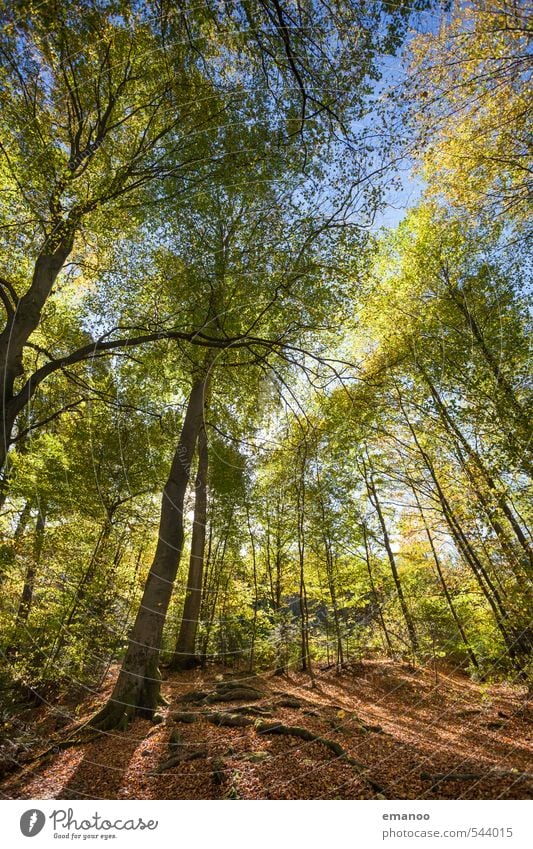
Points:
point(103, 104)
point(241, 423)
point(469, 94)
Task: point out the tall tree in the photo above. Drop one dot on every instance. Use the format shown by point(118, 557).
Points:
point(470, 96)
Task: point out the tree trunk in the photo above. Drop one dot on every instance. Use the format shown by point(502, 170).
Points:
point(330, 578)
point(29, 580)
point(388, 643)
point(373, 495)
point(22, 523)
point(491, 360)
point(484, 582)
point(26, 599)
point(275, 577)
point(185, 657)
point(455, 433)
point(444, 585)
point(137, 687)
point(22, 321)
point(304, 607)
point(470, 557)
point(83, 587)
point(256, 592)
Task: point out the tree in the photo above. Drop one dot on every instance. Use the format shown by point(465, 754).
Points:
point(109, 110)
point(93, 114)
point(185, 646)
point(470, 90)
point(242, 250)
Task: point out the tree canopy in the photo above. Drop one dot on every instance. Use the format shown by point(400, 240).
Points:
point(241, 423)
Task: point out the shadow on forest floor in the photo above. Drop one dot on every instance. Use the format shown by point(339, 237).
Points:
point(411, 731)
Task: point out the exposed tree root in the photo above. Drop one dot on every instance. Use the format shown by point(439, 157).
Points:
point(113, 717)
point(251, 710)
point(194, 697)
point(289, 702)
point(229, 720)
point(187, 717)
point(179, 758)
point(225, 691)
point(222, 718)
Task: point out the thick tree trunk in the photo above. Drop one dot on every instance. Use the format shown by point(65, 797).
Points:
point(137, 688)
point(184, 656)
point(21, 322)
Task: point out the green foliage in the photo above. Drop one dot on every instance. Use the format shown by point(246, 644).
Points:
point(205, 190)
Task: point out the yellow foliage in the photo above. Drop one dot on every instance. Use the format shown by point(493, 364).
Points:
point(471, 90)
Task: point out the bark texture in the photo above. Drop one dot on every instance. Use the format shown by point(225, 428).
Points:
point(184, 656)
point(137, 687)
point(23, 318)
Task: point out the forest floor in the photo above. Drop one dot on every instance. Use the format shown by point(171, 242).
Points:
point(417, 735)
